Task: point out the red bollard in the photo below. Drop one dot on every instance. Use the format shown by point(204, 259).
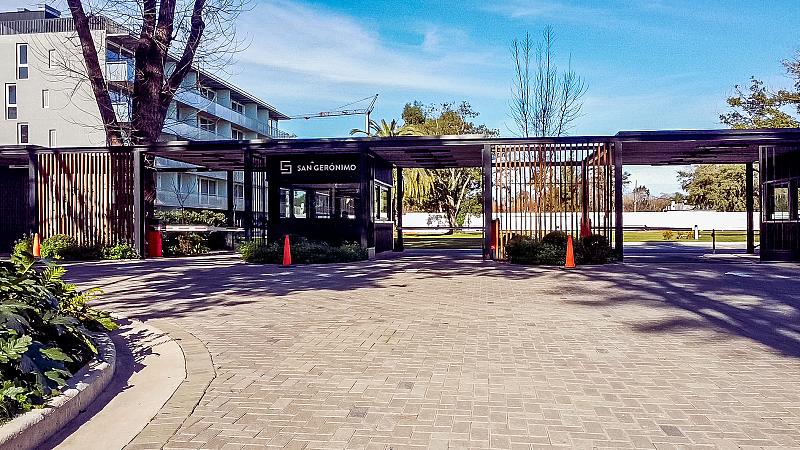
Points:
point(287, 252)
point(37, 246)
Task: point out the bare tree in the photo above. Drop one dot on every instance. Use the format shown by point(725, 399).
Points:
point(545, 101)
point(171, 37)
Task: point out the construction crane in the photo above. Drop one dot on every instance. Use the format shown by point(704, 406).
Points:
point(344, 111)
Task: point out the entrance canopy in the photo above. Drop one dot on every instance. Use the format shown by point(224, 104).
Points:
point(434, 152)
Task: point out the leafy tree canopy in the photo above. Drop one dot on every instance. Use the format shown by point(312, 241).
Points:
point(719, 187)
point(758, 107)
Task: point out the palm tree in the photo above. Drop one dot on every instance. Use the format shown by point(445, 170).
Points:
point(383, 129)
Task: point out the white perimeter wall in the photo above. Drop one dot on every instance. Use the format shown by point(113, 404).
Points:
point(705, 220)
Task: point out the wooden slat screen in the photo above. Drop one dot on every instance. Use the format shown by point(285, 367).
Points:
point(86, 195)
point(539, 187)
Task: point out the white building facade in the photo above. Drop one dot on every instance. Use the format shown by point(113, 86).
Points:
point(48, 101)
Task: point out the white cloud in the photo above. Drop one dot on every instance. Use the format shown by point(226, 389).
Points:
point(292, 38)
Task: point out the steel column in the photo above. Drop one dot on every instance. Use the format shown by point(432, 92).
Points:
point(486, 157)
point(749, 207)
point(138, 203)
point(400, 189)
point(618, 226)
point(247, 219)
point(33, 199)
point(231, 205)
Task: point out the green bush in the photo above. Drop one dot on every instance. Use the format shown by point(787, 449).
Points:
point(594, 249)
point(185, 244)
point(120, 251)
point(522, 249)
point(55, 246)
point(63, 247)
point(556, 238)
point(45, 330)
point(303, 252)
point(189, 217)
point(552, 250)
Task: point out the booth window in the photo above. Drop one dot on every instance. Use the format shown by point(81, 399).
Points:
point(347, 207)
point(300, 205)
point(382, 202)
point(322, 204)
point(286, 204)
point(778, 201)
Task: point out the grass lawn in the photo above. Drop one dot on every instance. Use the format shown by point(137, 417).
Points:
point(705, 236)
point(458, 239)
point(473, 240)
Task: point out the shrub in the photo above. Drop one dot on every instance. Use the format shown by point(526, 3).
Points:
point(668, 234)
point(55, 246)
point(594, 249)
point(552, 250)
point(23, 245)
point(522, 250)
point(685, 235)
point(557, 238)
point(303, 252)
point(185, 216)
point(185, 244)
point(122, 250)
point(44, 332)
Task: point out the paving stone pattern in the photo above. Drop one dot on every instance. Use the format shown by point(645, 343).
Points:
point(441, 350)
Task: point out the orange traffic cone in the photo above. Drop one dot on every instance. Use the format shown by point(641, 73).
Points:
point(37, 246)
point(570, 264)
point(287, 252)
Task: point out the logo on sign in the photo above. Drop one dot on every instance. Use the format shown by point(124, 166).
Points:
point(286, 167)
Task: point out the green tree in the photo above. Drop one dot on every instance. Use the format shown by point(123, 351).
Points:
point(719, 187)
point(454, 191)
point(383, 129)
point(758, 107)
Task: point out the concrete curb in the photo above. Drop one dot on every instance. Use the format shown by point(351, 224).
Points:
point(33, 428)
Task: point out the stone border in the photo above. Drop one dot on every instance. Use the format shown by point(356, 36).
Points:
point(33, 428)
point(199, 373)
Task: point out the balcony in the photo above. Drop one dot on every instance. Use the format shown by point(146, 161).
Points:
point(195, 100)
point(192, 132)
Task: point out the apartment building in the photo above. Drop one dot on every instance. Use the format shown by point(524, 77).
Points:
point(47, 100)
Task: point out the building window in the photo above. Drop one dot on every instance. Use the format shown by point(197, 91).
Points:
point(22, 61)
point(23, 135)
point(45, 98)
point(51, 138)
point(51, 59)
point(11, 101)
point(207, 124)
point(238, 107)
point(237, 134)
point(208, 93)
point(208, 190)
point(382, 202)
point(322, 204)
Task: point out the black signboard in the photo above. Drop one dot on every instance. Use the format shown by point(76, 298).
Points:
point(318, 169)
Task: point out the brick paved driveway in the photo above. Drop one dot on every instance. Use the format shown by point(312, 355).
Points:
point(436, 351)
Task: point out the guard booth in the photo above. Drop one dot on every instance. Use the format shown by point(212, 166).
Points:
point(331, 198)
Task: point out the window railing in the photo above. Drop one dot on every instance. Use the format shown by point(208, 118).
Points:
point(196, 100)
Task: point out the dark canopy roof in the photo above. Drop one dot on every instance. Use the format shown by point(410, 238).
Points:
point(637, 147)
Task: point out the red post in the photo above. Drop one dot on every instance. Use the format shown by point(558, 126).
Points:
point(154, 244)
point(37, 246)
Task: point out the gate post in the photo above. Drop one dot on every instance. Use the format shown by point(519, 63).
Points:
point(749, 207)
point(486, 157)
point(618, 230)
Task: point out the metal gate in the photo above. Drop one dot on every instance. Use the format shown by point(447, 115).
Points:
point(540, 187)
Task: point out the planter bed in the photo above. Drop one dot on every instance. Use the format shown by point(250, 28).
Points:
point(31, 429)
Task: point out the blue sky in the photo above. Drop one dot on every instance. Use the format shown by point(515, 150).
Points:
point(649, 64)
